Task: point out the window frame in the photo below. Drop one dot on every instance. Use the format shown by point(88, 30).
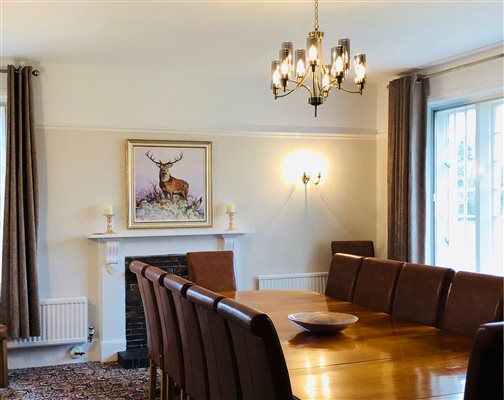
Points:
point(440, 104)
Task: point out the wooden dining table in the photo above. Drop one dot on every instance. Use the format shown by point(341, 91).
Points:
point(379, 357)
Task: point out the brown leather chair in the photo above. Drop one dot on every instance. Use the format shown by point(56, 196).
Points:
point(4, 375)
point(421, 293)
point(213, 270)
point(195, 368)
point(363, 248)
point(473, 299)
point(343, 276)
point(377, 283)
point(259, 357)
point(219, 352)
point(173, 362)
point(154, 339)
point(485, 369)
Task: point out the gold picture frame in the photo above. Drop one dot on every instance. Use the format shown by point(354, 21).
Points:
point(169, 183)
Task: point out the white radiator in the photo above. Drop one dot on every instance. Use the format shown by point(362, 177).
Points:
point(63, 321)
point(315, 281)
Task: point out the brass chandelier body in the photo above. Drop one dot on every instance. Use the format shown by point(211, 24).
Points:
point(298, 70)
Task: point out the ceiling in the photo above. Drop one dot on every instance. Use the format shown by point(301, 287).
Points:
point(243, 36)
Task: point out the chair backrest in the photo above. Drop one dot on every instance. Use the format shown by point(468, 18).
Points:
point(421, 293)
point(376, 283)
point(343, 276)
point(151, 312)
point(259, 357)
point(213, 270)
point(219, 352)
point(170, 331)
point(473, 299)
point(485, 369)
point(195, 369)
point(363, 248)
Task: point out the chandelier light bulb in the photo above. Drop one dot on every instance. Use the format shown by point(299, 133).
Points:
point(360, 72)
point(339, 65)
point(285, 67)
point(325, 81)
point(312, 54)
point(276, 78)
point(300, 69)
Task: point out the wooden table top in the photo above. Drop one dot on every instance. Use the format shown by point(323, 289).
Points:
point(379, 357)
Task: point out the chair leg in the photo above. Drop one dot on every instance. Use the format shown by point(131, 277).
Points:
point(170, 388)
point(152, 379)
point(163, 390)
point(4, 373)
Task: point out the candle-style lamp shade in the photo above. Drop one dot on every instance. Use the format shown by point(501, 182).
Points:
point(230, 207)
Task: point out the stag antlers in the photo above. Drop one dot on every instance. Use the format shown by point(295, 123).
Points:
point(159, 163)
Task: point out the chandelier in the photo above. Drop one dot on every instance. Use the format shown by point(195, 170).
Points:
point(290, 73)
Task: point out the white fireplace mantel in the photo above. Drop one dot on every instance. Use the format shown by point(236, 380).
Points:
point(114, 242)
point(112, 250)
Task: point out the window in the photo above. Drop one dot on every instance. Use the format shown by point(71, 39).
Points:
point(469, 187)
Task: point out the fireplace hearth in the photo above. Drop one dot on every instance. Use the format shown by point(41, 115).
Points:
point(135, 355)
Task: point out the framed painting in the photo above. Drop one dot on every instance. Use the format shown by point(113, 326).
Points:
point(169, 184)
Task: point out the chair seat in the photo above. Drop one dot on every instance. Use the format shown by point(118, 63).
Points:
point(3, 332)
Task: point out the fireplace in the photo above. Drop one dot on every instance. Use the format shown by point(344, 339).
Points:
point(112, 251)
point(135, 355)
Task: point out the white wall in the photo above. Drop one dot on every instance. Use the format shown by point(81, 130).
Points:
point(482, 79)
point(85, 114)
point(98, 97)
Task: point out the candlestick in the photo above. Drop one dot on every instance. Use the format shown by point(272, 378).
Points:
point(108, 217)
point(231, 227)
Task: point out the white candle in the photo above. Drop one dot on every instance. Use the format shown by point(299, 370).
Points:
point(230, 208)
point(109, 209)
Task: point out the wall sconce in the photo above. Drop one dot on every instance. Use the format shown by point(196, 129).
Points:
point(303, 166)
point(306, 178)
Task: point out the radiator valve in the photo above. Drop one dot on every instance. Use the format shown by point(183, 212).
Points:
point(76, 352)
point(90, 334)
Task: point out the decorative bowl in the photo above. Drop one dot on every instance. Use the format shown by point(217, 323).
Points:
point(322, 321)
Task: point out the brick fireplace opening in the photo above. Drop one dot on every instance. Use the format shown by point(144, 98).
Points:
point(135, 355)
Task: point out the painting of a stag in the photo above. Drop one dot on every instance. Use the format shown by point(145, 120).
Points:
point(169, 184)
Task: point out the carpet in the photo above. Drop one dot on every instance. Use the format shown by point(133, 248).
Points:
point(90, 380)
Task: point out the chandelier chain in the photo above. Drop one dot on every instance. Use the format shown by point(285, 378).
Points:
point(315, 23)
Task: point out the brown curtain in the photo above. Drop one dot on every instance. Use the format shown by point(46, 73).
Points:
point(19, 297)
point(406, 170)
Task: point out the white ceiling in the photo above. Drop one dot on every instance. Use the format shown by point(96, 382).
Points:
point(243, 36)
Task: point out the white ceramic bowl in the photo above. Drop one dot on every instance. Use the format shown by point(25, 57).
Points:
point(322, 321)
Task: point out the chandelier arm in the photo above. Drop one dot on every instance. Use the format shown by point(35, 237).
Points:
point(293, 90)
point(300, 84)
point(334, 83)
point(350, 91)
point(285, 94)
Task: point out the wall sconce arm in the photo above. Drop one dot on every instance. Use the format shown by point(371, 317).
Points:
point(306, 178)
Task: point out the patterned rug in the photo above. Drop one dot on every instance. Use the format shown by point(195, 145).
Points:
point(91, 380)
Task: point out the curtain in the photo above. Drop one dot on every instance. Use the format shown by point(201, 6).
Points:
point(19, 308)
point(406, 169)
